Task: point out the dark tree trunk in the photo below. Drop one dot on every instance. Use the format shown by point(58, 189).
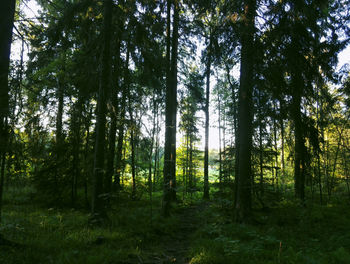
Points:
point(174, 55)
point(206, 148)
point(113, 127)
point(235, 128)
point(121, 124)
point(187, 163)
point(220, 149)
point(98, 173)
point(261, 150)
point(87, 165)
point(156, 155)
point(2, 180)
point(59, 120)
point(7, 12)
point(133, 149)
point(283, 176)
point(59, 134)
point(75, 126)
point(191, 180)
point(110, 156)
point(169, 192)
point(299, 164)
point(319, 128)
point(150, 157)
point(276, 146)
point(245, 114)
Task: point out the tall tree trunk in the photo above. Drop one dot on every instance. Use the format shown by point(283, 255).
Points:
point(299, 164)
point(87, 166)
point(169, 191)
point(156, 155)
point(319, 128)
point(98, 173)
point(111, 153)
point(336, 160)
point(276, 167)
point(191, 180)
point(150, 157)
point(174, 55)
point(113, 126)
point(261, 151)
point(346, 171)
point(220, 149)
point(75, 126)
point(2, 181)
point(206, 148)
point(283, 176)
point(119, 153)
point(7, 12)
point(245, 114)
point(133, 161)
point(59, 134)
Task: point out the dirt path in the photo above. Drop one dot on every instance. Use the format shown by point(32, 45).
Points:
point(176, 246)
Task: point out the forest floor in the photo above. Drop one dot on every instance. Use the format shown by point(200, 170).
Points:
point(176, 246)
point(197, 232)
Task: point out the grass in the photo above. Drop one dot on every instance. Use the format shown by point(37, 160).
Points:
point(51, 235)
point(284, 233)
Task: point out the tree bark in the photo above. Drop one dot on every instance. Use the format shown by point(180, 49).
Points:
point(121, 125)
point(220, 149)
point(169, 192)
point(133, 149)
point(299, 164)
point(98, 173)
point(245, 114)
point(206, 148)
point(174, 56)
point(7, 12)
point(113, 126)
point(75, 126)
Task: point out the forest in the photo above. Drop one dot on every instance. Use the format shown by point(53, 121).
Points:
point(174, 131)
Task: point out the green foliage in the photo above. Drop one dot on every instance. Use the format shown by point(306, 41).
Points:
point(63, 236)
point(286, 233)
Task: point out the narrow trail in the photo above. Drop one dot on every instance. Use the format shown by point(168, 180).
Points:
point(176, 246)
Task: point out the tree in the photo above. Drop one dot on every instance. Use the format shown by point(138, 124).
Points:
point(245, 114)
point(6, 24)
point(170, 107)
point(97, 208)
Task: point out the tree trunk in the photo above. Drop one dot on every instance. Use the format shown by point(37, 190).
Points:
point(7, 12)
point(133, 162)
point(261, 151)
point(206, 148)
point(75, 126)
point(220, 149)
point(245, 115)
point(156, 155)
point(299, 164)
point(155, 112)
point(113, 127)
point(98, 173)
point(275, 145)
point(283, 176)
point(87, 166)
point(169, 192)
point(319, 128)
point(174, 55)
point(119, 153)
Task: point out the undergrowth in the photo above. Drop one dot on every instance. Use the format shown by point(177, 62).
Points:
point(283, 232)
